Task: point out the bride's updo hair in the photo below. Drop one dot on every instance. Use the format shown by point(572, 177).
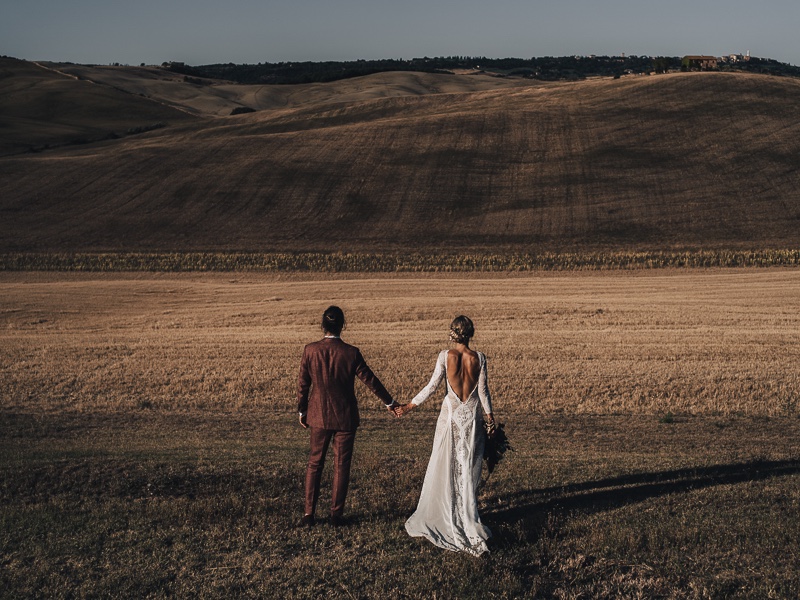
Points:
point(333, 320)
point(461, 330)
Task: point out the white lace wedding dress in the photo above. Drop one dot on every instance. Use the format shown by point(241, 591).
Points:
point(447, 513)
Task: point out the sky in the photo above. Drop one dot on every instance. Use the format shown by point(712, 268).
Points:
point(252, 31)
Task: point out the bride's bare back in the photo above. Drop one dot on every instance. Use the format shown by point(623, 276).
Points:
point(463, 370)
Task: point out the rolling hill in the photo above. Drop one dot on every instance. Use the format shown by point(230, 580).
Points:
point(209, 97)
point(42, 108)
point(398, 161)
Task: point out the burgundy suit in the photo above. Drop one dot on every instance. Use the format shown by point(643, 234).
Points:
point(326, 394)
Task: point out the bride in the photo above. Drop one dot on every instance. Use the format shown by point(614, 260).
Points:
point(447, 513)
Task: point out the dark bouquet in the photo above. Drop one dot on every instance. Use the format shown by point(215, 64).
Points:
point(496, 445)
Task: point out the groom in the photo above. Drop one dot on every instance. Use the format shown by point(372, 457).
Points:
point(327, 404)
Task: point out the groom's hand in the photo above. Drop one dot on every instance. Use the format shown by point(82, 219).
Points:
point(303, 421)
point(392, 408)
point(401, 409)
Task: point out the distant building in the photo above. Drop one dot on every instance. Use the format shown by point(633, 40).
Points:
point(735, 58)
point(699, 63)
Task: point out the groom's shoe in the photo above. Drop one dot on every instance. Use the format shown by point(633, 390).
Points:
point(306, 521)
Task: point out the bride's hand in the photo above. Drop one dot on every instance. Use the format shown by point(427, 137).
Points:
point(405, 408)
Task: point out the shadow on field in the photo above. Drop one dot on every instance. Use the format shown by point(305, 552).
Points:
point(532, 507)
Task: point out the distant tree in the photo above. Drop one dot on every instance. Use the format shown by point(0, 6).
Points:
point(661, 64)
point(546, 68)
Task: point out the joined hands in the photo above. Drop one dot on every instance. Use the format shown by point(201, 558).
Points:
point(398, 410)
point(402, 409)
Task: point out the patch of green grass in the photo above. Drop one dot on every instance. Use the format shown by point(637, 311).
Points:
point(206, 505)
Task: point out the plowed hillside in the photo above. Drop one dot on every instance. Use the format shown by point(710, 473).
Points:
point(668, 162)
point(40, 107)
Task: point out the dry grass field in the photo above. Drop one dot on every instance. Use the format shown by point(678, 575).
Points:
point(713, 342)
point(147, 504)
point(148, 437)
point(149, 444)
point(675, 162)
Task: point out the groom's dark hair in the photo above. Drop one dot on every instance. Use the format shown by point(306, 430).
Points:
point(333, 320)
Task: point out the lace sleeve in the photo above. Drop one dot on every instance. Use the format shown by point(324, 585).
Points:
point(436, 379)
point(483, 388)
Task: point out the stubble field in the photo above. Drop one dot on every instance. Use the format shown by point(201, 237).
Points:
point(149, 443)
point(718, 342)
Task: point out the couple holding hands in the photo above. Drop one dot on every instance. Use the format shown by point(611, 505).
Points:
point(447, 513)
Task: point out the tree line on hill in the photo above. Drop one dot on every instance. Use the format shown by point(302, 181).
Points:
point(547, 68)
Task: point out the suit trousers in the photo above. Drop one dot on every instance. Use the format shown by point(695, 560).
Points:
point(342, 457)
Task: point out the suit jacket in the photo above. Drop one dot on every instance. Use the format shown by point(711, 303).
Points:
point(325, 385)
